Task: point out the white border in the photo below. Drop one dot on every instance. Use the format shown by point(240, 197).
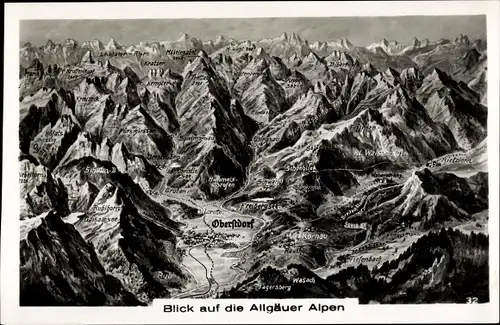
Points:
point(11, 313)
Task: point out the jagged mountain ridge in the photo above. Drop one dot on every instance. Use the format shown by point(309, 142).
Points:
point(221, 118)
point(416, 275)
point(78, 278)
point(283, 46)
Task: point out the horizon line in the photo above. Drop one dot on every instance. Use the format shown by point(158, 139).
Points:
point(110, 38)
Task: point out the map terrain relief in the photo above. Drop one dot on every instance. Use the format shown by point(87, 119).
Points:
point(276, 167)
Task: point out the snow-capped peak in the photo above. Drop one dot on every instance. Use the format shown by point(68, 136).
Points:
point(107, 64)
point(184, 37)
point(113, 45)
point(70, 42)
point(390, 47)
point(342, 43)
point(220, 39)
point(283, 37)
point(203, 54)
point(260, 53)
point(50, 44)
point(437, 75)
point(312, 57)
point(462, 39)
point(295, 39)
point(316, 45)
point(94, 44)
point(345, 42)
point(87, 58)
point(167, 73)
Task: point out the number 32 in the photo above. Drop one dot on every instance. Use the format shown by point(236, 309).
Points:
point(472, 300)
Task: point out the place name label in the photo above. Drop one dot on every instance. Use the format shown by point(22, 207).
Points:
point(80, 74)
point(80, 71)
point(299, 250)
point(51, 133)
point(360, 127)
point(387, 175)
point(199, 138)
point(181, 52)
point(149, 214)
point(140, 54)
point(39, 151)
point(173, 191)
point(276, 287)
point(260, 206)
point(363, 225)
point(154, 63)
point(269, 182)
point(223, 179)
point(235, 223)
point(261, 112)
point(105, 208)
point(302, 168)
point(87, 99)
point(449, 160)
point(211, 212)
point(165, 276)
point(306, 235)
point(377, 153)
point(224, 182)
point(293, 85)
point(231, 254)
point(30, 174)
point(166, 191)
point(184, 175)
point(138, 131)
point(199, 82)
point(258, 140)
point(367, 247)
point(361, 259)
point(286, 308)
point(160, 83)
point(411, 233)
point(97, 170)
point(295, 81)
point(101, 219)
point(116, 54)
point(381, 180)
point(304, 280)
point(306, 188)
point(354, 209)
point(160, 166)
point(239, 49)
point(46, 139)
point(248, 73)
point(192, 169)
point(23, 177)
point(338, 64)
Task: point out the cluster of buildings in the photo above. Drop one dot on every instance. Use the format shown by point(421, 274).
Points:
point(192, 238)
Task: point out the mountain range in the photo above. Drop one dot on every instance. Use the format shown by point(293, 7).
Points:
point(130, 153)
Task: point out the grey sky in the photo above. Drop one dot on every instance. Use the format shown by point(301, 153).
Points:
point(359, 30)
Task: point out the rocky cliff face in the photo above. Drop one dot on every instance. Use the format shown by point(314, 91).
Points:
point(40, 189)
point(58, 268)
point(211, 138)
